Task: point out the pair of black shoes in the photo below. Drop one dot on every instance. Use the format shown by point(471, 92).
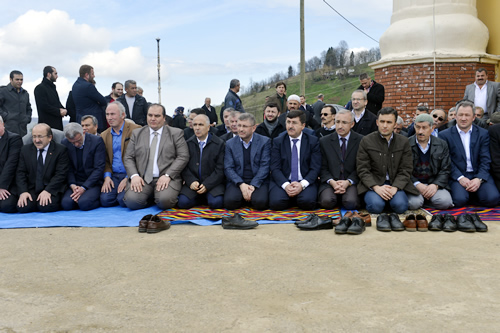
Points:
point(464, 222)
point(389, 222)
point(237, 222)
point(314, 222)
point(352, 226)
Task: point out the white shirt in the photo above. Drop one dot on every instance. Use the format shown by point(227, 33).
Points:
point(356, 118)
point(481, 96)
point(465, 137)
point(303, 182)
point(130, 103)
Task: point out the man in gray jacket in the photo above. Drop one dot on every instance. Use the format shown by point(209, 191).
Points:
point(484, 93)
point(15, 107)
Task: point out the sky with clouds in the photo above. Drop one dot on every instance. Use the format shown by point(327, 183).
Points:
point(204, 44)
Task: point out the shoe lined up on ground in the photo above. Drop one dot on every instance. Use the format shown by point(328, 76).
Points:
point(237, 222)
point(352, 226)
point(314, 222)
point(464, 222)
point(152, 224)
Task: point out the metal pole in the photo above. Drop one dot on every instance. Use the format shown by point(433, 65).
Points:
point(159, 81)
point(302, 51)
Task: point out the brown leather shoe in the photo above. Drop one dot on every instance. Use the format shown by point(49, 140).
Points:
point(410, 223)
point(422, 224)
point(156, 224)
point(143, 223)
point(365, 217)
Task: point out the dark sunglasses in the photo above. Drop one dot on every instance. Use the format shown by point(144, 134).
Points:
point(325, 114)
point(439, 118)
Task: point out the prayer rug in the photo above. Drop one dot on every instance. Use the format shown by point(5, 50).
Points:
point(486, 214)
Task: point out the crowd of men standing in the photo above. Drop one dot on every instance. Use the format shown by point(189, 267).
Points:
point(120, 150)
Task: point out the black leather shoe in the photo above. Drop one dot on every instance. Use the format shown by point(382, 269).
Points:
point(237, 222)
point(436, 223)
point(480, 226)
point(383, 222)
point(465, 224)
point(357, 227)
point(449, 223)
point(307, 220)
point(396, 224)
point(316, 223)
point(343, 225)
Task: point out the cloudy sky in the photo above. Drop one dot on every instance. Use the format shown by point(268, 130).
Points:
point(204, 44)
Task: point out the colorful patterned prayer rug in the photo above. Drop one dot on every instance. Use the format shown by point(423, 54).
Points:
point(486, 214)
point(206, 213)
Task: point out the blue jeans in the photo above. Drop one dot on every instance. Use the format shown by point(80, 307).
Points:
point(375, 204)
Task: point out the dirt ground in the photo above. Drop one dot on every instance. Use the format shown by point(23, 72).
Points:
point(274, 278)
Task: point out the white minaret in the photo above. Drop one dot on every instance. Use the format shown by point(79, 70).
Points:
point(422, 29)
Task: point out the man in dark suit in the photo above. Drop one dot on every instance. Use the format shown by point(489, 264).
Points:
point(225, 127)
point(494, 132)
point(484, 93)
point(10, 147)
point(295, 166)
point(469, 145)
point(233, 123)
point(87, 156)
point(327, 121)
point(204, 174)
point(210, 111)
point(375, 93)
point(246, 165)
point(155, 158)
point(87, 99)
point(317, 107)
point(338, 165)
point(42, 172)
point(365, 122)
point(136, 106)
point(49, 107)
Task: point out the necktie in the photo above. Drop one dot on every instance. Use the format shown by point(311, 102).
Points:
point(295, 162)
point(148, 177)
point(39, 172)
point(343, 149)
point(202, 143)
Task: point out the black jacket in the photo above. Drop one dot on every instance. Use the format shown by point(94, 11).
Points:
point(48, 104)
point(10, 147)
point(140, 111)
point(262, 130)
point(212, 166)
point(376, 97)
point(367, 124)
point(211, 113)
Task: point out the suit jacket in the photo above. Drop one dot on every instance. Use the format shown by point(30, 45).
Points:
point(55, 169)
point(212, 166)
point(140, 110)
point(492, 100)
point(94, 160)
point(494, 132)
point(367, 124)
point(221, 129)
point(281, 158)
point(228, 136)
point(332, 159)
point(48, 104)
point(479, 152)
point(439, 164)
point(211, 113)
point(376, 97)
point(10, 147)
point(89, 101)
point(260, 156)
point(317, 107)
point(173, 154)
point(107, 137)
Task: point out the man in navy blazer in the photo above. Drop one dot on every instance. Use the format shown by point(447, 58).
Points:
point(87, 158)
point(87, 99)
point(42, 172)
point(470, 160)
point(294, 182)
point(246, 165)
point(484, 93)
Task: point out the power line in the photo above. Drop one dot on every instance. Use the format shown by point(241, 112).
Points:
point(350, 22)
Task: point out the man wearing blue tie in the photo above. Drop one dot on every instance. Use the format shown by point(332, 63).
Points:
point(295, 166)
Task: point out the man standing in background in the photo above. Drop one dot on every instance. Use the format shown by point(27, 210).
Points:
point(15, 107)
point(49, 107)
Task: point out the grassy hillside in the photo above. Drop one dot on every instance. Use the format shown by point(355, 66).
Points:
point(336, 90)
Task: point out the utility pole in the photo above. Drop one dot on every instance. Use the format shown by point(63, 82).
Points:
point(159, 81)
point(302, 51)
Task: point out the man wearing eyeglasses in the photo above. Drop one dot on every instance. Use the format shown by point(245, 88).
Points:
point(439, 119)
point(365, 122)
point(42, 172)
